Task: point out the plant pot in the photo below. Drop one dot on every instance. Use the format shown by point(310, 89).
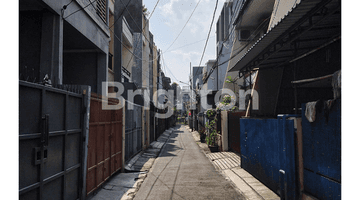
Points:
point(202, 138)
point(214, 148)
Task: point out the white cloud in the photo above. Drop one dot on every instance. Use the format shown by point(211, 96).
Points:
point(168, 8)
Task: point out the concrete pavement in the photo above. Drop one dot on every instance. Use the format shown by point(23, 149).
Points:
point(179, 166)
point(228, 164)
point(182, 171)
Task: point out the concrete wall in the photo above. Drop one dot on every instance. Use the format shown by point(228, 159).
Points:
point(145, 55)
point(30, 23)
point(223, 60)
point(111, 47)
point(224, 130)
point(155, 73)
point(127, 58)
point(133, 13)
point(63, 33)
point(211, 83)
point(197, 76)
point(86, 21)
point(137, 74)
point(81, 68)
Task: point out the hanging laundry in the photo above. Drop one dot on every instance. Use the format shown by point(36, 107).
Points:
point(336, 84)
point(310, 111)
point(327, 107)
point(312, 108)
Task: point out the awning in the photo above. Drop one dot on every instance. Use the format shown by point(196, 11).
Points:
point(310, 25)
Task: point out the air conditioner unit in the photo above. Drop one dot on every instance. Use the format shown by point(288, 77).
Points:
point(244, 35)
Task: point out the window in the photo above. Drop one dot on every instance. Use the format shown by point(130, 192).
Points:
point(110, 63)
point(101, 9)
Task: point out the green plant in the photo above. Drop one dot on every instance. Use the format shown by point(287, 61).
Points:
point(212, 134)
point(210, 113)
point(230, 80)
point(226, 100)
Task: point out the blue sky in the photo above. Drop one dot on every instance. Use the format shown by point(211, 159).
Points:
point(166, 23)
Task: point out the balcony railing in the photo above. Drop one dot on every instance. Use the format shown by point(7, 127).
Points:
point(127, 32)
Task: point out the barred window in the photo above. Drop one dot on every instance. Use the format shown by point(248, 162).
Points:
point(101, 9)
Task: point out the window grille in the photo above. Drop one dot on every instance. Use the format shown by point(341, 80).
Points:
point(101, 9)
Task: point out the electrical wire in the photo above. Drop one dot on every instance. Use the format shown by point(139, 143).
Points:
point(252, 39)
point(212, 21)
point(168, 67)
point(82, 8)
point(183, 26)
point(121, 13)
point(188, 44)
point(228, 35)
point(154, 9)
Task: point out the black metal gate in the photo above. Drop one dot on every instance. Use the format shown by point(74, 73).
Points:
point(152, 126)
point(133, 130)
point(51, 141)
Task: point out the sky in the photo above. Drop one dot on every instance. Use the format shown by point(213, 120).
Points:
point(166, 22)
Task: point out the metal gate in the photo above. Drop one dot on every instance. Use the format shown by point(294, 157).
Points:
point(234, 130)
point(322, 153)
point(268, 153)
point(152, 126)
point(133, 130)
point(105, 143)
point(50, 142)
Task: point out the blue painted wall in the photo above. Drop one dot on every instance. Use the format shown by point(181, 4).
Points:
point(322, 153)
point(267, 145)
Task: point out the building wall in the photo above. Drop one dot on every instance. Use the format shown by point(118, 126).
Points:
point(197, 76)
point(111, 43)
point(127, 58)
point(133, 13)
point(145, 55)
point(211, 83)
point(86, 22)
point(155, 73)
point(64, 32)
point(30, 23)
point(81, 68)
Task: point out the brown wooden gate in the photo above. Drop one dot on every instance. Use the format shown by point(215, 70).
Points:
point(234, 130)
point(105, 143)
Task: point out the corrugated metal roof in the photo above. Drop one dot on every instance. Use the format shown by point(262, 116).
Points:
point(298, 16)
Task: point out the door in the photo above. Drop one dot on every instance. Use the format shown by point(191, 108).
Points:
point(50, 142)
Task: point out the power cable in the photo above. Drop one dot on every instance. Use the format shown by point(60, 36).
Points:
point(183, 26)
point(212, 21)
point(228, 35)
point(121, 13)
point(82, 8)
point(188, 44)
point(154, 9)
point(250, 40)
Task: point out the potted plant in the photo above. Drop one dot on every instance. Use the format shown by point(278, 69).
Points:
point(212, 136)
point(202, 135)
point(210, 113)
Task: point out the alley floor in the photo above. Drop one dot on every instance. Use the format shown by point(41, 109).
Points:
point(182, 171)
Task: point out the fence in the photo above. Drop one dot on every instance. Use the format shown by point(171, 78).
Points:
point(268, 153)
point(105, 143)
point(322, 153)
point(133, 130)
point(51, 141)
point(233, 130)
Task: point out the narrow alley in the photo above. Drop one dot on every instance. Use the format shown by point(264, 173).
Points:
point(182, 171)
point(169, 99)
